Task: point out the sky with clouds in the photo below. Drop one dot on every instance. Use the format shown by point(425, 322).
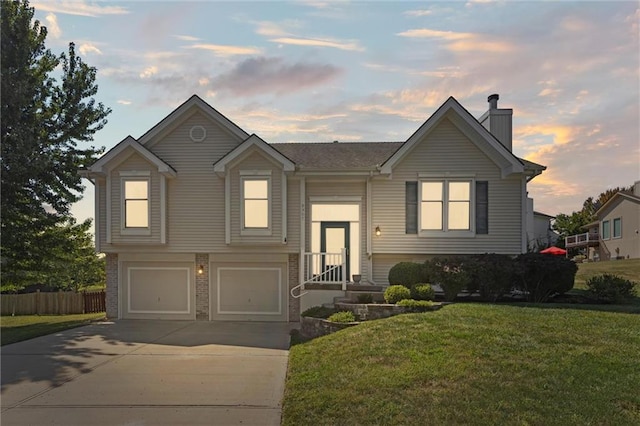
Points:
point(374, 71)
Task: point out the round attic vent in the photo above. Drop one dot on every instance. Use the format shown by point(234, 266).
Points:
point(197, 133)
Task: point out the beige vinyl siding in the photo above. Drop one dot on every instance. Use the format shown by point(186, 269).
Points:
point(136, 163)
point(629, 243)
point(195, 210)
point(327, 188)
point(195, 202)
point(447, 150)
point(293, 215)
point(256, 162)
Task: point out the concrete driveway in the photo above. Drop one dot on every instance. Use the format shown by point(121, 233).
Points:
point(148, 373)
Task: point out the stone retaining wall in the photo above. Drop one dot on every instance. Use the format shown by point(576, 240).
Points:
point(373, 311)
point(316, 327)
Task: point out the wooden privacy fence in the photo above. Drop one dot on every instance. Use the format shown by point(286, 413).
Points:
point(60, 303)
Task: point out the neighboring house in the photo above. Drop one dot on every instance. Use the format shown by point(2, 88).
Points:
point(200, 220)
point(615, 234)
point(540, 235)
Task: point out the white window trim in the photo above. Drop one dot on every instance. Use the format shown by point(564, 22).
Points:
point(256, 175)
point(613, 227)
point(445, 232)
point(137, 177)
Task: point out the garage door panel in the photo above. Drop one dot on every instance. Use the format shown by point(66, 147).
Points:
point(249, 291)
point(159, 290)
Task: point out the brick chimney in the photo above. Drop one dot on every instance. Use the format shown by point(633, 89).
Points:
point(498, 121)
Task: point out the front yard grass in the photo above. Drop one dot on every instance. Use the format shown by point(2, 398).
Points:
point(23, 327)
point(472, 364)
point(626, 268)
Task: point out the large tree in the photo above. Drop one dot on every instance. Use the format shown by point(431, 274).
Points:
point(49, 118)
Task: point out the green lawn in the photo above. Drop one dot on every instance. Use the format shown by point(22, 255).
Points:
point(24, 327)
point(628, 269)
point(472, 364)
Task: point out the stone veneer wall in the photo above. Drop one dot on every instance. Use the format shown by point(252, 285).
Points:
point(112, 285)
point(202, 287)
point(316, 327)
point(373, 311)
point(294, 304)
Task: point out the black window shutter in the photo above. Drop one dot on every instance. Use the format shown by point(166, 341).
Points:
point(482, 207)
point(411, 208)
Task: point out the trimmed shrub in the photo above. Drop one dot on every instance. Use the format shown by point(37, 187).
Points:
point(395, 293)
point(450, 274)
point(343, 316)
point(609, 288)
point(407, 274)
point(365, 298)
point(412, 303)
point(318, 312)
point(491, 275)
point(541, 276)
point(423, 292)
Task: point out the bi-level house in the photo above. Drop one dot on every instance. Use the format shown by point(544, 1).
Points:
point(201, 220)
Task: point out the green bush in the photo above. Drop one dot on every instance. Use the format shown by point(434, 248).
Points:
point(343, 316)
point(412, 303)
point(450, 274)
point(395, 293)
point(541, 276)
point(407, 274)
point(423, 292)
point(491, 275)
point(365, 298)
point(318, 312)
point(610, 288)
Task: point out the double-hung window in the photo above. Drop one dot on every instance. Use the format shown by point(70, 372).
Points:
point(617, 227)
point(135, 203)
point(256, 204)
point(445, 205)
point(606, 230)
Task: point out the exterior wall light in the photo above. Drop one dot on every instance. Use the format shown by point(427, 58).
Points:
point(200, 270)
point(378, 232)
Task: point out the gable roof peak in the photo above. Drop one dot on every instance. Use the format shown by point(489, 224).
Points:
point(183, 109)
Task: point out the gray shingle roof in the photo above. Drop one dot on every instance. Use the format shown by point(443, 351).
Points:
point(337, 156)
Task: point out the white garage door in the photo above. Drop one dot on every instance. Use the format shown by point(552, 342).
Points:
point(158, 290)
point(248, 292)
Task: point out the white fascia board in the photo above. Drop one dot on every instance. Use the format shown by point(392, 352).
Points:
point(179, 113)
point(253, 141)
point(103, 164)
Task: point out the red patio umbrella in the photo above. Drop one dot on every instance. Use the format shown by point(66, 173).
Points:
point(555, 251)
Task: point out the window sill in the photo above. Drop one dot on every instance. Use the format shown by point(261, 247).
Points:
point(446, 234)
point(134, 231)
point(256, 232)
